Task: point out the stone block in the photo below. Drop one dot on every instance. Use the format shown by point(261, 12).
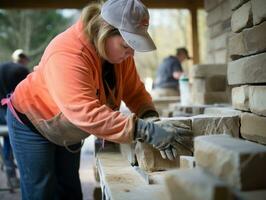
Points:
point(195, 184)
point(236, 46)
point(257, 99)
point(210, 97)
point(187, 162)
point(240, 98)
point(214, 16)
point(246, 70)
point(221, 56)
point(258, 10)
point(237, 3)
point(207, 70)
point(150, 159)
point(226, 10)
point(221, 111)
point(239, 163)
point(253, 127)
point(211, 4)
point(220, 28)
point(216, 83)
point(242, 18)
point(251, 195)
point(210, 124)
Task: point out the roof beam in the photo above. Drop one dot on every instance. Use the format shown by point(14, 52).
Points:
point(55, 4)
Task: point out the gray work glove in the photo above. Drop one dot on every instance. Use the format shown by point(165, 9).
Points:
point(163, 137)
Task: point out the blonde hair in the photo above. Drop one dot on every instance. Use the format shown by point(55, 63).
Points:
point(96, 29)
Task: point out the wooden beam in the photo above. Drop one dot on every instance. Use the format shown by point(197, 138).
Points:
point(54, 4)
point(195, 35)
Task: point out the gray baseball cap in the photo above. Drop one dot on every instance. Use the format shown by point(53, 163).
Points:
point(131, 18)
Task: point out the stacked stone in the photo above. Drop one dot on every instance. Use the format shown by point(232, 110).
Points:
point(247, 69)
point(218, 22)
point(209, 84)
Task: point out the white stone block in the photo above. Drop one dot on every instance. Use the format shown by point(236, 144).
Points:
point(240, 97)
point(257, 99)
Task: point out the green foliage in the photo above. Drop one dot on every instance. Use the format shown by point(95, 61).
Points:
point(30, 30)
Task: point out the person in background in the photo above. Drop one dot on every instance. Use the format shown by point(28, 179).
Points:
point(76, 90)
point(169, 72)
point(11, 73)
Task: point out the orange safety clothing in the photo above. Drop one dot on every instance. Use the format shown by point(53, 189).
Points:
point(67, 85)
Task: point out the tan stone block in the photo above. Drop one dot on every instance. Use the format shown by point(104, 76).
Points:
point(242, 18)
point(214, 16)
point(207, 70)
point(210, 124)
point(253, 127)
point(238, 162)
point(211, 4)
point(237, 3)
point(236, 46)
point(187, 162)
point(226, 10)
point(257, 99)
point(221, 111)
point(210, 97)
point(210, 84)
point(240, 97)
point(128, 152)
point(195, 184)
point(220, 28)
point(251, 69)
point(258, 10)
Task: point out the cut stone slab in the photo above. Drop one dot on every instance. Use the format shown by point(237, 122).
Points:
point(195, 184)
point(237, 3)
point(253, 127)
point(187, 162)
point(239, 163)
point(216, 83)
point(210, 124)
point(247, 70)
point(207, 70)
point(257, 99)
point(221, 111)
point(240, 98)
point(242, 18)
point(258, 10)
point(210, 97)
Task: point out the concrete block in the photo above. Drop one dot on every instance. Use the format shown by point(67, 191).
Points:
point(187, 162)
point(207, 70)
point(242, 18)
point(210, 124)
point(237, 3)
point(253, 127)
point(238, 162)
point(240, 97)
point(195, 184)
point(258, 10)
point(257, 99)
point(246, 70)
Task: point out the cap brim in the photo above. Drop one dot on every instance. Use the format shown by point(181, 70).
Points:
point(141, 43)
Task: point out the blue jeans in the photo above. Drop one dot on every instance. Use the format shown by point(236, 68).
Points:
point(7, 153)
point(47, 171)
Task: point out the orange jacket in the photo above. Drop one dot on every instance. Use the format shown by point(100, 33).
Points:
point(68, 81)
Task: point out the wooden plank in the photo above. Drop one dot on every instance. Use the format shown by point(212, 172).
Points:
point(195, 37)
point(35, 4)
point(120, 181)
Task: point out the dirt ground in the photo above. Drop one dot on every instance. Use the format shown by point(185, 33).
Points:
point(86, 175)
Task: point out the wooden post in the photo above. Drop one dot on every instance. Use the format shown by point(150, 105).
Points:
point(195, 38)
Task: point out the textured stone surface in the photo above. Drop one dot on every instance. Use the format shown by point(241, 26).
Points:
point(195, 184)
point(210, 124)
point(187, 162)
point(236, 45)
point(251, 69)
point(242, 18)
point(216, 83)
point(128, 152)
point(257, 99)
point(237, 3)
point(251, 195)
point(240, 97)
point(258, 10)
point(253, 127)
point(206, 70)
point(211, 4)
point(214, 16)
point(222, 111)
point(238, 162)
point(210, 97)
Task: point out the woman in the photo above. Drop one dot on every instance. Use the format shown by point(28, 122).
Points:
point(76, 91)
